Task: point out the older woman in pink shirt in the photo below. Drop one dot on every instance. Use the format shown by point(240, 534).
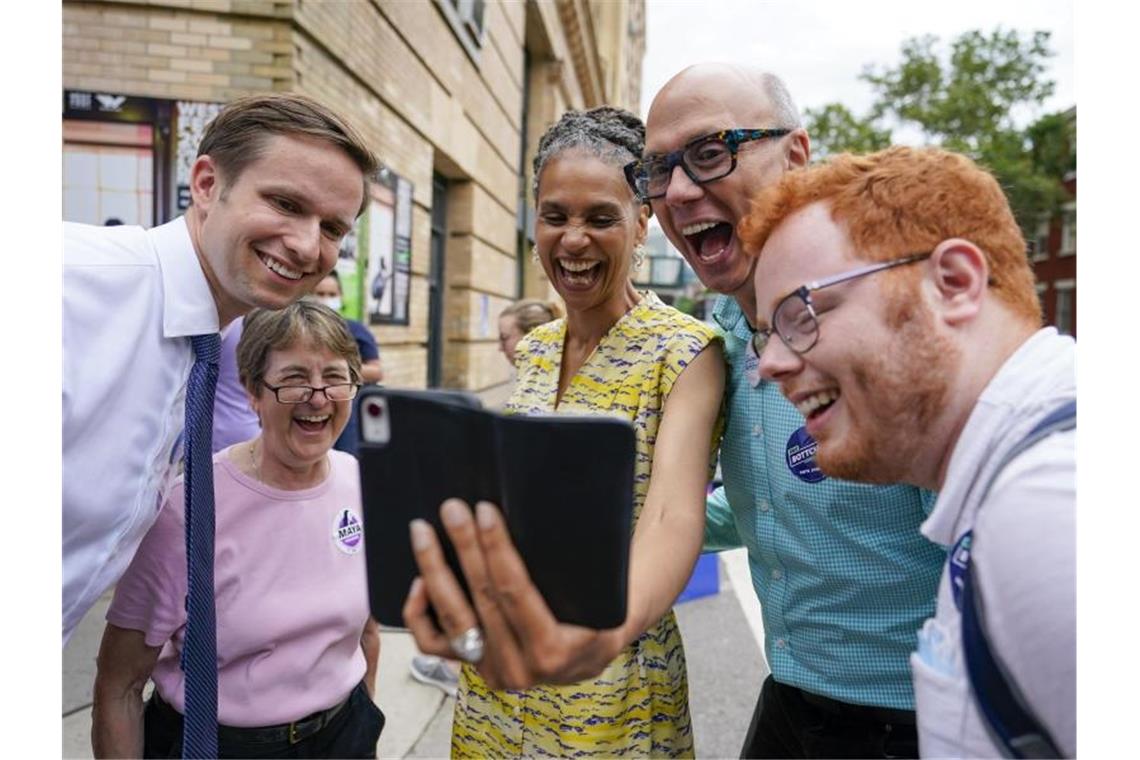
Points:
point(297, 651)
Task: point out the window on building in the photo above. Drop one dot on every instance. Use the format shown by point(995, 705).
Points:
point(471, 11)
point(1069, 230)
point(108, 172)
point(1066, 291)
point(466, 20)
point(1039, 245)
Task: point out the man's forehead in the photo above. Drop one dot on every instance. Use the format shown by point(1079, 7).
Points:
point(804, 244)
point(684, 130)
point(698, 104)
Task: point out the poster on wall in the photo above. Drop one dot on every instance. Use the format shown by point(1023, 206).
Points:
point(191, 119)
point(348, 268)
point(381, 261)
point(387, 277)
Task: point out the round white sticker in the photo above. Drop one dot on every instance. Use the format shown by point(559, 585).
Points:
point(347, 533)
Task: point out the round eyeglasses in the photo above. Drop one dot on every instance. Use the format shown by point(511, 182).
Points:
point(795, 320)
point(299, 394)
point(704, 159)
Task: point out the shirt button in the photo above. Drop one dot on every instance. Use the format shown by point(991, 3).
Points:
point(780, 643)
point(764, 505)
point(757, 430)
point(777, 574)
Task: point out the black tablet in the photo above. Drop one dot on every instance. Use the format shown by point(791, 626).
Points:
point(564, 485)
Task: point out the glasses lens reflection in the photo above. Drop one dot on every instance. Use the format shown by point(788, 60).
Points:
point(795, 322)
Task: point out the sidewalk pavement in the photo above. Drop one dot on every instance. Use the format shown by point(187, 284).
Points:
point(722, 635)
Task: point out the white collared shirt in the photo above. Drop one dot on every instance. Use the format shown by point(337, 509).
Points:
point(131, 299)
point(1022, 553)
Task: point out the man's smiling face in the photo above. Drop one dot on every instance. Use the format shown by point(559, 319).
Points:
point(700, 219)
point(879, 372)
point(268, 236)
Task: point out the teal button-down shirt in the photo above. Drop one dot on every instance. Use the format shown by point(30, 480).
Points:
point(844, 577)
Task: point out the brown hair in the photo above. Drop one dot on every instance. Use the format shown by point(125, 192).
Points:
point(529, 313)
point(904, 200)
point(266, 330)
point(237, 136)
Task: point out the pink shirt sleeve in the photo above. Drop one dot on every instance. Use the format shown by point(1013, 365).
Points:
point(150, 597)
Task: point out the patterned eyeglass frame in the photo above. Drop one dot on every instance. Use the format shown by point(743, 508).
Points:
point(760, 337)
point(733, 138)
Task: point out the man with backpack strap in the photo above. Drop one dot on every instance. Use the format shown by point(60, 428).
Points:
point(897, 310)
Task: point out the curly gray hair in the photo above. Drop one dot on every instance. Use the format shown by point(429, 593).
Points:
point(614, 135)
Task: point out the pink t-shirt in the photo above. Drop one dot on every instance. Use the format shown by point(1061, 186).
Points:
point(292, 599)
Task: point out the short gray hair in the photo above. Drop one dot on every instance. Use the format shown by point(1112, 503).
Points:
point(266, 330)
point(784, 111)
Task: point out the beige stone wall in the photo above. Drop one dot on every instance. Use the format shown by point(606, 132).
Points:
point(177, 50)
point(397, 68)
point(398, 71)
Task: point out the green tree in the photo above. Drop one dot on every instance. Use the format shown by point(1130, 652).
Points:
point(965, 104)
point(969, 103)
point(833, 128)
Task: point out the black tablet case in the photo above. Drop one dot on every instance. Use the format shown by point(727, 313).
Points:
point(564, 485)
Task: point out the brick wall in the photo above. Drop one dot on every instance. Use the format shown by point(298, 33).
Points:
point(176, 50)
point(397, 70)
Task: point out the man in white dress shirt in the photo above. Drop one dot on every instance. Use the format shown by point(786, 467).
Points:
point(278, 182)
point(897, 310)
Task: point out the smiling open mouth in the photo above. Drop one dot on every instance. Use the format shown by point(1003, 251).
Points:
point(277, 267)
point(578, 273)
point(312, 422)
point(708, 239)
point(818, 403)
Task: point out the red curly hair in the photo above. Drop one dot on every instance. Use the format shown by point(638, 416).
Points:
point(904, 200)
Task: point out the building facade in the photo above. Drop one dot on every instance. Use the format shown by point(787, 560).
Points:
point(1054, 258)
point(451, 94)
point(1053, 250)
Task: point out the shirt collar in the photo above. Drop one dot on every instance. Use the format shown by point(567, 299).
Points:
point(188, 306)
point(1036, 379)
point(730, 317)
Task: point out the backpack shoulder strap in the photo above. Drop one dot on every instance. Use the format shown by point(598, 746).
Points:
point(1007, 713)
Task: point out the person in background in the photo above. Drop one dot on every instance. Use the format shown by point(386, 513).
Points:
point(297, 651)
point(328, 292)
point(520, 318)
point(617, 351)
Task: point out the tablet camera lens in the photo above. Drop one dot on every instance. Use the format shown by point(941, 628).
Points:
point(375, 410)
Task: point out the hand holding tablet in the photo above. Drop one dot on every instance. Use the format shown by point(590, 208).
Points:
point(524, 644)
point(568, 526)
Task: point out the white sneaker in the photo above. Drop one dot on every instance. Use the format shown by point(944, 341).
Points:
point(435, 672)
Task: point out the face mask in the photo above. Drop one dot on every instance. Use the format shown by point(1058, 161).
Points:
point(333, 302)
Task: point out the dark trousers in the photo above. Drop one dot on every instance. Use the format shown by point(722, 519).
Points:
point(352, 733)
point(792, 723)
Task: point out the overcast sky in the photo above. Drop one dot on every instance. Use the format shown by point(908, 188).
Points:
point(819, 47)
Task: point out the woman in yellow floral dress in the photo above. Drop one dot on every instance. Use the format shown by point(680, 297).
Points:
point(624, 353)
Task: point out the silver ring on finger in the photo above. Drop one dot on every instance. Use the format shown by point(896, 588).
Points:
point(468, 646)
